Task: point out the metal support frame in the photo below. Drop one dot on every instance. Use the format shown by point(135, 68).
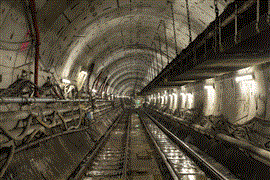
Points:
point(235, 24)
point(152, 73)
point(148, 77)
point(174, 31)
point(130, 9)
point(157, 70)
point(156, 61)
point(258, 16)
point(189, 23)
point(160, 51)
point(217, 27)
point(165, 33)
point(268, 16)
point(153, 63)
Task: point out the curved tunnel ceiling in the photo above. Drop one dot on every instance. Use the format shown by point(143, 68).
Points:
point(128, 40)
point(137, 75)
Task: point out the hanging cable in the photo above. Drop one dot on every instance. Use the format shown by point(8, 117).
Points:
point(268, 15)
point(174, 31)
point(27, 13)
point(165, 33)
point(160, 50)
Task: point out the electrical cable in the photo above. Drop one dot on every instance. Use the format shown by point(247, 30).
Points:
point(9, 158)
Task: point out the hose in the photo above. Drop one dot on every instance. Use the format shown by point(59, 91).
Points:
point(79, 123)
point(22, 135)
point(9, 158)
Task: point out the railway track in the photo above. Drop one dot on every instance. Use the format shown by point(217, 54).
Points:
point(136, 148)
point(111, 161)
point(200, 164)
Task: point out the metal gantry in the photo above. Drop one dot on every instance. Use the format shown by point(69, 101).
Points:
point(217, 28)
point(189, 22)
point(174, 30)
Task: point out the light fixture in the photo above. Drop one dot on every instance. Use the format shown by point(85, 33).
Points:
point(79, 36)
point(190, 100)
point(81, 79)
point(175, 96)
point(190, 95)
point(208, 87)
point(66, 81)
point(84, 72)
point(244, 78)
point(94, 91)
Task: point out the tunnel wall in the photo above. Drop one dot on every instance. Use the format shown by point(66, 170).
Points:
point(239, 108)
point(15, 42)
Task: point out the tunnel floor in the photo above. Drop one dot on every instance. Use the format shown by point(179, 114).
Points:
point(132, 152)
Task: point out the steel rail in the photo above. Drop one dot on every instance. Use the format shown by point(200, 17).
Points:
point(264, 154)
point(214, 172)
point(127, 149)
point(163, 156)
point(78, 173)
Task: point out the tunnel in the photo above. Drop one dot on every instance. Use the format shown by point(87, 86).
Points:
point(134, 89)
